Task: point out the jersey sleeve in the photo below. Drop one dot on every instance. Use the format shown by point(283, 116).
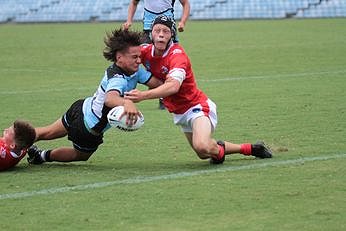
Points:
point(116, 84)
point(143, 75)
point(178, 59)
point(179, 64)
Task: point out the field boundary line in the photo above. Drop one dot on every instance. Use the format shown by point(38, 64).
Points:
point(248, 77)
point(172, 176)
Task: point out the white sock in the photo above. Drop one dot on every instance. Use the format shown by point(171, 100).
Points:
point(43, 155)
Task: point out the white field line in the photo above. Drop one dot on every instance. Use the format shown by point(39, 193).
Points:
point(47, 90)
point(293, 75)
point(173, 176)
point(308, 74)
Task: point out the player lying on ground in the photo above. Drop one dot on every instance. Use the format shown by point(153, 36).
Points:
point(14, 143)
point(86, 120)
point(191, 108)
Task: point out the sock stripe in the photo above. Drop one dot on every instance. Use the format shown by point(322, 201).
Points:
point(246, 149)
point(221, 145)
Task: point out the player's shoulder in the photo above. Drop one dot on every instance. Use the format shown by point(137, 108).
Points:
point(176, 49)
point(114, 71)
point(146, 47)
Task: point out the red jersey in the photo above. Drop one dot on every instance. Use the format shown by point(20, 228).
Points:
point(8, 159)
point(174, 58)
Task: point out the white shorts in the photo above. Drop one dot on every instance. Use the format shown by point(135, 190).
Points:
point(185, 120)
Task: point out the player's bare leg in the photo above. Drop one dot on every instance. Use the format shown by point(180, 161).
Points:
point(52, 131)
point(67, 154)
point(206, 147)
point(63, 154)
point(200, 138)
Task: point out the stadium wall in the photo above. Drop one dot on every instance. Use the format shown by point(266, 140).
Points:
point(26, 11)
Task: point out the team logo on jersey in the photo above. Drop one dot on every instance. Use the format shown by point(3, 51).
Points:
point(196, 110)
point(164, 70)
point(177, 51)
point(118, 75)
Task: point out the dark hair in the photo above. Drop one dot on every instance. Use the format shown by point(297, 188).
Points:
point(24, 134)
point(120, 40)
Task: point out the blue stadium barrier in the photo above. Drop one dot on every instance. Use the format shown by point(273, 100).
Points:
point(105, 10)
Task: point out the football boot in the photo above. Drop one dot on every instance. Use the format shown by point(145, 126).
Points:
point(260, 150)
point(34, 155)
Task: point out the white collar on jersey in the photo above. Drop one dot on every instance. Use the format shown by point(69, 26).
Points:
point(166, 51)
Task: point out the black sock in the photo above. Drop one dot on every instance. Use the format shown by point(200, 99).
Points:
point(47, 156)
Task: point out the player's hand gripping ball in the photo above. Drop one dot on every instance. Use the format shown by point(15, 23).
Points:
point(115, 121)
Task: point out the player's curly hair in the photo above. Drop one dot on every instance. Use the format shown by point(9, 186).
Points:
point(120, 40)
point(24, 134)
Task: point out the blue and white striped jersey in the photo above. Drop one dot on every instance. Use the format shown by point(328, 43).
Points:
point(94, 110)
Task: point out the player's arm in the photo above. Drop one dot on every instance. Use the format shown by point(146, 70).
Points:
point(114, 99)
point(185, 15)
point(130, 14)
point(169, 87)
point(154, 82)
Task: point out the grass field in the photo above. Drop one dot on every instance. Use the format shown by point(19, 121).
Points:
point(280, 81)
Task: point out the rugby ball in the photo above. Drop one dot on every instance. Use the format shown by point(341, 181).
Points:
point(115, 121)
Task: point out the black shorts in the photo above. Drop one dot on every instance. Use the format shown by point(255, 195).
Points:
point(82, 139)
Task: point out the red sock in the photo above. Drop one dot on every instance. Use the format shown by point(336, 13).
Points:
point(245, 149)
point(221, 152)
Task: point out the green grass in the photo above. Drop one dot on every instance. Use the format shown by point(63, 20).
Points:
point(281, 81)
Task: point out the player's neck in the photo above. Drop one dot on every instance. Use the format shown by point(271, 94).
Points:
point(123, 69)
point(160, 52)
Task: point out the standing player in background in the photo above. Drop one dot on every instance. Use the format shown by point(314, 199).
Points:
point(14, 143)
point(86, 120)
point(191, 108)
point(153, 8)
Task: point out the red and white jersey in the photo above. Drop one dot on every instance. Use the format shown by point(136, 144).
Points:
point(173, 60)
point(8, 159)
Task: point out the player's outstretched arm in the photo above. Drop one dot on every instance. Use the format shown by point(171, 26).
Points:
point(170, 87)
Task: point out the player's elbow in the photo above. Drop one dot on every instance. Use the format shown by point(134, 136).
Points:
point(173, 89)
point(174, 86)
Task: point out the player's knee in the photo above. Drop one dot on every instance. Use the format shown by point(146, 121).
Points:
point(202, 156)
point(81, 156)
point(202, 149)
